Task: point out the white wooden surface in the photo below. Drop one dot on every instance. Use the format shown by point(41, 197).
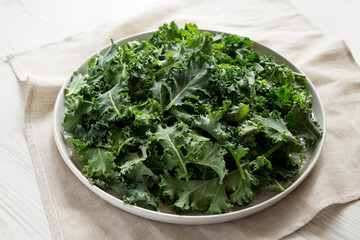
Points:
point(27, 24)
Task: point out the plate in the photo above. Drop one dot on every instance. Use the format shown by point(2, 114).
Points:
point(259, 203)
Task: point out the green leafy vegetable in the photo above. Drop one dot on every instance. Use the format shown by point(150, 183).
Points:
point(172, 140)
point(189, 119)
point(77, 82)
point(189, 81)
point(207, 196)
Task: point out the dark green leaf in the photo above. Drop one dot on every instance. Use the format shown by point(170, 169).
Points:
point(304, 127)
point(161, 93)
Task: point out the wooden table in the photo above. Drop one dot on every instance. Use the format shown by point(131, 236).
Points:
point(27, 24)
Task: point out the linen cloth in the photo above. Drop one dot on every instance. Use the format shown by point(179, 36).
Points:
point(74, 212)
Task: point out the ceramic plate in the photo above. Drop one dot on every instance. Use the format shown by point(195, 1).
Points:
point(261, 201)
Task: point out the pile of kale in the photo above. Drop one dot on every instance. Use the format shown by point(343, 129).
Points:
point(194, 120)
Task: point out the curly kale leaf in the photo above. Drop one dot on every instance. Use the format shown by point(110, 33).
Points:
point(99, 165)
point(211, 125)
point(182, 148)
point(208, 196)
point(114, 103)
point(172, 140)
point(74, 87)
point(240, 189)
point(304, 127)
point(161, 93)
point(188, 81)
point(77, 109)
point(137, 184)
point(275, 128)
point(209, 155)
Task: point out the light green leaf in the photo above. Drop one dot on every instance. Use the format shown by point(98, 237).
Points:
point(115, 100)
point(110, 54)
point(212, 156)
point(241, 192)
point(172, 139)
point(98, 162)
point(276, 129)
point(260, 162)
point(207, 196)
point(249, 127)
point(237, 113)
point(77, 82)
point(188, 81)
point(134, 161)
point(210, 124)
point(147, 113)
point(115, 74)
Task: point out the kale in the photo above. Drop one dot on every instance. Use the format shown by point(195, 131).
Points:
point(194, 120)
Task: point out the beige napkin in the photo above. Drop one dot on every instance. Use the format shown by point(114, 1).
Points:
point(74, 212)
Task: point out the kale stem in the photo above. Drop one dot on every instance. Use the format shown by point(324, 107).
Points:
point(237, 163)
point(123, 144)
point(114, 106)
point(301, 158)
point(273, 149)
point(316, 138)
point(123, 71)
point(279, 185)
point(240, 169)
point(272, 75)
